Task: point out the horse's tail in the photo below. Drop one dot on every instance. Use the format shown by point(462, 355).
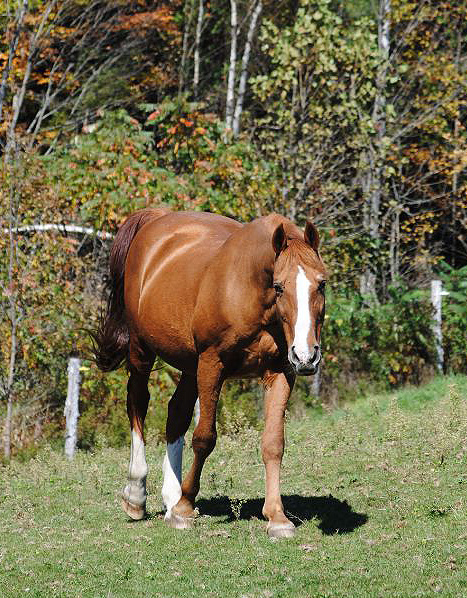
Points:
point(110, 340)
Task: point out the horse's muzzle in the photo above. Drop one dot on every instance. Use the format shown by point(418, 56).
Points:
point(305, 365)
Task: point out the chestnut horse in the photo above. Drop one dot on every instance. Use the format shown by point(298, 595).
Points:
point(215, 299)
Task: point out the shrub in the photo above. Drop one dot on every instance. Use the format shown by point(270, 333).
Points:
point(454, 317)
point(382, 344)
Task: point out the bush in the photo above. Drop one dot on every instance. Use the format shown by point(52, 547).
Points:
point(454, 318)
point(197, 169)
point(380, 345)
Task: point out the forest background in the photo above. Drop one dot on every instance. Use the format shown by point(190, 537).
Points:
point(350, 113)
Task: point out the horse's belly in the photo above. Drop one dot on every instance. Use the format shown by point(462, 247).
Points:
point(168, 333)
point(161, 317)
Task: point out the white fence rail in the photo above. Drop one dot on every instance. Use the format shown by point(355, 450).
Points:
point(60, 228)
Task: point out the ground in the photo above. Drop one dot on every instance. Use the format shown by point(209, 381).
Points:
point(378, 491)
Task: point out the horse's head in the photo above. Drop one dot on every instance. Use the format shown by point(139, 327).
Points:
point(299, 280)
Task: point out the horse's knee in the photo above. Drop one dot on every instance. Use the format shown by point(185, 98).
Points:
point(203, 443)
point(272, 452)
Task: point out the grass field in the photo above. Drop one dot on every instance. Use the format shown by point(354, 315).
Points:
point(378, 490)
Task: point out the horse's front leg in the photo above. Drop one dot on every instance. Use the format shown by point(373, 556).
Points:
point(277, 391)
point(209, 378)
point(134, 493)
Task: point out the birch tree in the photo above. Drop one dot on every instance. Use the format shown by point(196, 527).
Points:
point(236, 86)
point(419, 91)
point(244, 68)
point(230, 97)
point(199, 27)
point(316, 102)
point(373, 181)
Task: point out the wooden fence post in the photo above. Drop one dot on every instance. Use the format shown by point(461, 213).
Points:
point(316, 382)
point(71, 406)
point(436, 301)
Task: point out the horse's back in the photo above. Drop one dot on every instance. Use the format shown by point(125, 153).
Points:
point(163, 271)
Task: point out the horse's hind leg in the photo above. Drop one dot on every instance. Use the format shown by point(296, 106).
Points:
point(180, 413)
point(134, 493)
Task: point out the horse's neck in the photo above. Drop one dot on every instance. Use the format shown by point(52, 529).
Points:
point(246, 284)
point(236, 299)
point(249, 255)
point(250, 261)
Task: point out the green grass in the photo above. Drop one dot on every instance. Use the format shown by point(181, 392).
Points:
point(380, 490)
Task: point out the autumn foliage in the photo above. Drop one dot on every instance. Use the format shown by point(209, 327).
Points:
point(352, 117)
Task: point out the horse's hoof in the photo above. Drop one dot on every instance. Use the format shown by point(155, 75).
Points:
point(281, 530)
point(179, 521)
point(135, 512)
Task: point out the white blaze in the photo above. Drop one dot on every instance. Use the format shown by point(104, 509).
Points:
point(172, 469)
point(303, 322)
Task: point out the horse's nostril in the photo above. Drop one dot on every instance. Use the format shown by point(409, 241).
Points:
point(294, 354)
point(316, 347)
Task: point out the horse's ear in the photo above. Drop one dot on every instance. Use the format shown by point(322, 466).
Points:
point(279, 239)
point(311, 235)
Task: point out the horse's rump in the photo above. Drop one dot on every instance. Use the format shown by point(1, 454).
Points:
point(110, 340)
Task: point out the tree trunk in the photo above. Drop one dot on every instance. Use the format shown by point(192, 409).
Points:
point(12, 312)
point(186, 35)
point(394, 247)
point(379, 117)
point(373, 188)
point(230, 101)
point(12, 51)
point(199, 26)
point(9, 390)
point(244, 72)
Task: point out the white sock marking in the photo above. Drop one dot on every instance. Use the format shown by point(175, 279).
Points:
point(135, 490)
point(197, 412)
point(172, 469)
point(303, 323)
point(138, 466)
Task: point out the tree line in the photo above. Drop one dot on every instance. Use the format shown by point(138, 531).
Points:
point(348, 113)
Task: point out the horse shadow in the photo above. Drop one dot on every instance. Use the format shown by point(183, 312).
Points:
point(335, 516)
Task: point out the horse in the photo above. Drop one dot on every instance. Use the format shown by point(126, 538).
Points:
point(215, 299)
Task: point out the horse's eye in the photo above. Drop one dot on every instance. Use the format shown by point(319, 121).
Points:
point(322, 286)
point(278, 288)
